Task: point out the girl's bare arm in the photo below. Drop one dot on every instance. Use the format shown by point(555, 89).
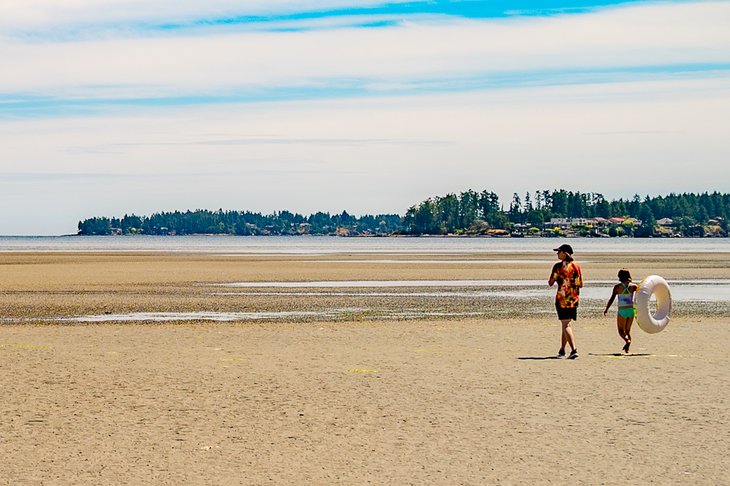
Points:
point(610, 301)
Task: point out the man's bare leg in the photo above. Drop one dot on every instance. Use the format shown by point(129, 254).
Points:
point(567, 334)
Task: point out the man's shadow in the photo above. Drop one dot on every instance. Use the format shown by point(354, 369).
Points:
point(610, 355)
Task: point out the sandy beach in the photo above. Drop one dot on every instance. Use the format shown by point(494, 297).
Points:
point(466, 394)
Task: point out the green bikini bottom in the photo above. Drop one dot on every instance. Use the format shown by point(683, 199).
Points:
point(627, 312)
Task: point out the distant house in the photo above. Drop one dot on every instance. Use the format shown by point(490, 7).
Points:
point(665, 222)
point(617, 220)
point(567, 222)
point(559, 222)
point(632, 221)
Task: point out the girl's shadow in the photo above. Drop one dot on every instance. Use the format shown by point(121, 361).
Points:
point(610, 355)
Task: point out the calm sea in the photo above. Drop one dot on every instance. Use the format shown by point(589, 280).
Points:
point(318, 245)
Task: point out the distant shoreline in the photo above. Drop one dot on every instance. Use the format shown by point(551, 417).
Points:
point(389, 236)
point(451, 236)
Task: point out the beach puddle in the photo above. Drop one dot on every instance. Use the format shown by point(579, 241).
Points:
point(435, 262)
point(371, 294)
point(207, 316)
point(382, 283)
point(682, 290)
point(329, 314)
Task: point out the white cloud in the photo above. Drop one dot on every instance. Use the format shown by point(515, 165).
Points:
point(628, 133)
point(49, 17)
point(221, 64)
point(620, 139)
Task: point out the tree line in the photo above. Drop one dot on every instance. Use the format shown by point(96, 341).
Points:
point(242, 223)
point(468, 213)
point(475, 213)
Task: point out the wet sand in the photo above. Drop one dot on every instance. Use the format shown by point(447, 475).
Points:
point(361, 400)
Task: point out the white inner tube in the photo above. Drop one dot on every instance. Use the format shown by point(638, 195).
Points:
point(657, 286)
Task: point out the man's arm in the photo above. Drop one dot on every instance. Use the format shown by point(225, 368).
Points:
point(579, 277)
point(554, 276)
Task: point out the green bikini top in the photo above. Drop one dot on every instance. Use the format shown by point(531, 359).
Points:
point(626, 297)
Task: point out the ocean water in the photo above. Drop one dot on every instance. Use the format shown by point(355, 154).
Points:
point(324, 245)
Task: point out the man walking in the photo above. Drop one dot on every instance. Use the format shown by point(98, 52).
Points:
point(567, 274)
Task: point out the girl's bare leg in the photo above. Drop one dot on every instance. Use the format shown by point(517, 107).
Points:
point(621, 325)
point(627, 331)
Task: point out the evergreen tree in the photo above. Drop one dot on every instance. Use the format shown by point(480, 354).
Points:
point(468, 212)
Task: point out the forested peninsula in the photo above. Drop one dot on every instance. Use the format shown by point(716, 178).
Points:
point(549, 213)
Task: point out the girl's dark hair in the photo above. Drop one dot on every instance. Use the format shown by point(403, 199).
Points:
point(624, 275)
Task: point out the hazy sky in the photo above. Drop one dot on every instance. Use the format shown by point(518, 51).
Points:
point(110, 107)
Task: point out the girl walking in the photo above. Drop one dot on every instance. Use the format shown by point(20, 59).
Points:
point(625, 291)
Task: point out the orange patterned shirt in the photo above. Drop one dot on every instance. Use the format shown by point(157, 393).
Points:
point(570, 280)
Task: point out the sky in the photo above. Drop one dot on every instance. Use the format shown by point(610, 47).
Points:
point(116, 107)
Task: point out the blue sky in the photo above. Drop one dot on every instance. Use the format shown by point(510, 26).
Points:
point(125, 106)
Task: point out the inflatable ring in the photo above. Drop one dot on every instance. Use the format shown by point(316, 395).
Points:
point(657, 286)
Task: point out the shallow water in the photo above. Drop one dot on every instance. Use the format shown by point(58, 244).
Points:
point(682, 290)
point(324, 245)
point(206, 316)
point(417, 300)
point(383, 283)
point(438, 262)
point(259, 316)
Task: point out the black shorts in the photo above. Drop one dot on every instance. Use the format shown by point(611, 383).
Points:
point(567, 312)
